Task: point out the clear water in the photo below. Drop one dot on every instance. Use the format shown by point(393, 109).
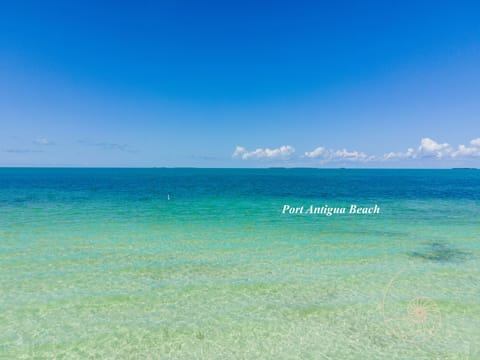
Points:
point(98, 263)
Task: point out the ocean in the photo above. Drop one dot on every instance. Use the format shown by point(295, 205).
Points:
point(171, 263)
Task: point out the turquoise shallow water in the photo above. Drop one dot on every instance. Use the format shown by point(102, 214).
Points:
point(97, 263)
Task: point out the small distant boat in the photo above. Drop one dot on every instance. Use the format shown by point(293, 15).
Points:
point(168, 197)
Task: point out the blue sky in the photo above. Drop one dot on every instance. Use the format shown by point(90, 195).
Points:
point(240, 84)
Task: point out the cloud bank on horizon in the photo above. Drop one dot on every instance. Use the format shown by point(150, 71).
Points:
point(283, 152)
point(428, 149)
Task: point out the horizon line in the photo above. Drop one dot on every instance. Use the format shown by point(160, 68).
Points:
point(233, 168)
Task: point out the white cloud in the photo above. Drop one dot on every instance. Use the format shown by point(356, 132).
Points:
point(284, 152)
point(338, 155)
point(42, 141)
point(468, 151)
point(409, 154)
point(239, 151)
point(475, 142)
point(319, 151)
point(344, 154)
point(427, 148)
point(430, 148)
